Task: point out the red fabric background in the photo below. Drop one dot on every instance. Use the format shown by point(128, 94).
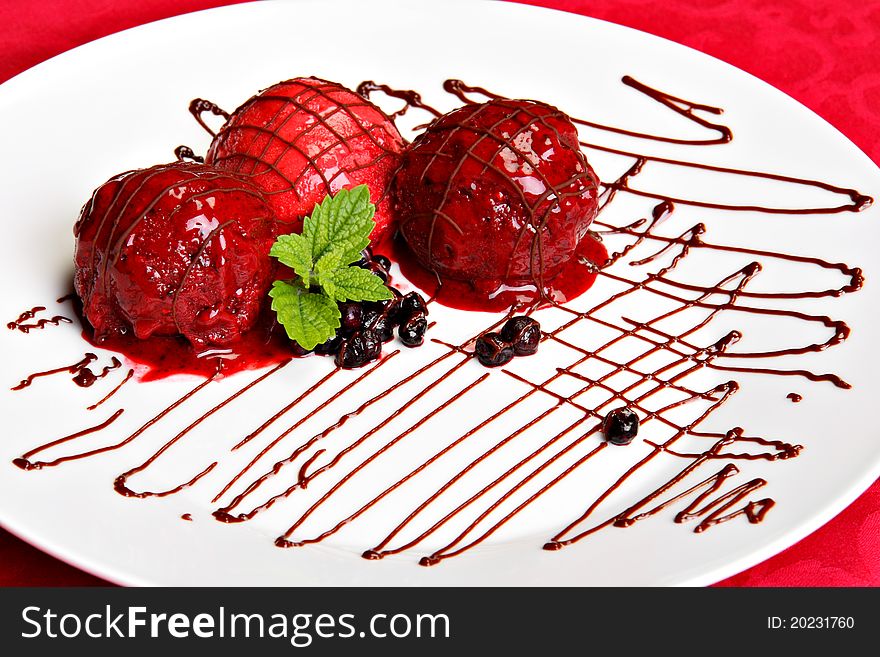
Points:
point(826, 54)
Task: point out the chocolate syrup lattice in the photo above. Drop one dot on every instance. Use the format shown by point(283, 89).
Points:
point(666, 324)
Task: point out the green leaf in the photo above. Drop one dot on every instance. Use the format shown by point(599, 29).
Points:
point(332, 239)
point(329, 262)
point(295, 251)
point(353, 284)
point(341, 223)
point(309, 318)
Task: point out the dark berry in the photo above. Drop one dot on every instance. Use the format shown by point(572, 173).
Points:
point(523, 333)
point(391, 307)
point(413, 302)
point(358, 349)
point(352, 315)
point(371, 311)
point(620, 426)
point(365, 259)
point(377, 320)
point(397, 315)
point(298, 350)
point(329, 347)
point(378, 271)
point(383, 316)
point(372, 343)
point(412, 330)
point(492, 350)
point(383, 262)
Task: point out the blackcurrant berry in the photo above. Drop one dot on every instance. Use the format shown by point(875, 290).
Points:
point(620, 426)
point(413, 302)
point(383, 262)
point(331, 346)
point(298, 350)
point(392, 308)
point(352, 315)
point(523, 333)
point(492, 350)
point(365, 259)
point(377, 320)
point(378, 271)
point(358, 349)
point(412, 330)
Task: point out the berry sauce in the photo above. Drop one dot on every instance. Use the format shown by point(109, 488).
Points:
point(161, 357)
point(494, 295)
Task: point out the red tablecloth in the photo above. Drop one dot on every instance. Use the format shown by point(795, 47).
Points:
point(825, 53)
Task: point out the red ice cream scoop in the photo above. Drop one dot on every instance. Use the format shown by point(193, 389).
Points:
point(497, 192)
point(174, 249)
point(303, 139)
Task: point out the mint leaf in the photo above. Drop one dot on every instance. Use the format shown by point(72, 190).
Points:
point(341, 223)
point(332, 239)
point(308, 318)
point(295, 251)
point(329, 262)
point(353, 284)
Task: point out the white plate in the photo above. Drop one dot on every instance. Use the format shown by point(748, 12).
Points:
point(121, 103)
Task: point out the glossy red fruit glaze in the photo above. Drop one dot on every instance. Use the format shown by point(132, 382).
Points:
point(496, 193)
point(576, 277)
point(305, 138)
point(161, 357)
point(174, 249)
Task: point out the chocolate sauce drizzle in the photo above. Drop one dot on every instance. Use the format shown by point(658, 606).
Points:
point(116, 389)
point(25, 463)
point(76, 369)
point(681, 106)
point(198, 107)
point(21, 322)
point(659, 394)
point(857, 200)
point(410, 98)
point(186, 153)
point(83, 376)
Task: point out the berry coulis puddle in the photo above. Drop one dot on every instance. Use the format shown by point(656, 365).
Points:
point(493, 207)
point(488, 295)
point(162, 356)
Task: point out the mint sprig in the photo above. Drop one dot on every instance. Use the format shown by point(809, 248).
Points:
point(322, 257)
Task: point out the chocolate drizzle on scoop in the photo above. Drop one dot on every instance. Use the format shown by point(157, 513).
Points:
point(657, 379)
